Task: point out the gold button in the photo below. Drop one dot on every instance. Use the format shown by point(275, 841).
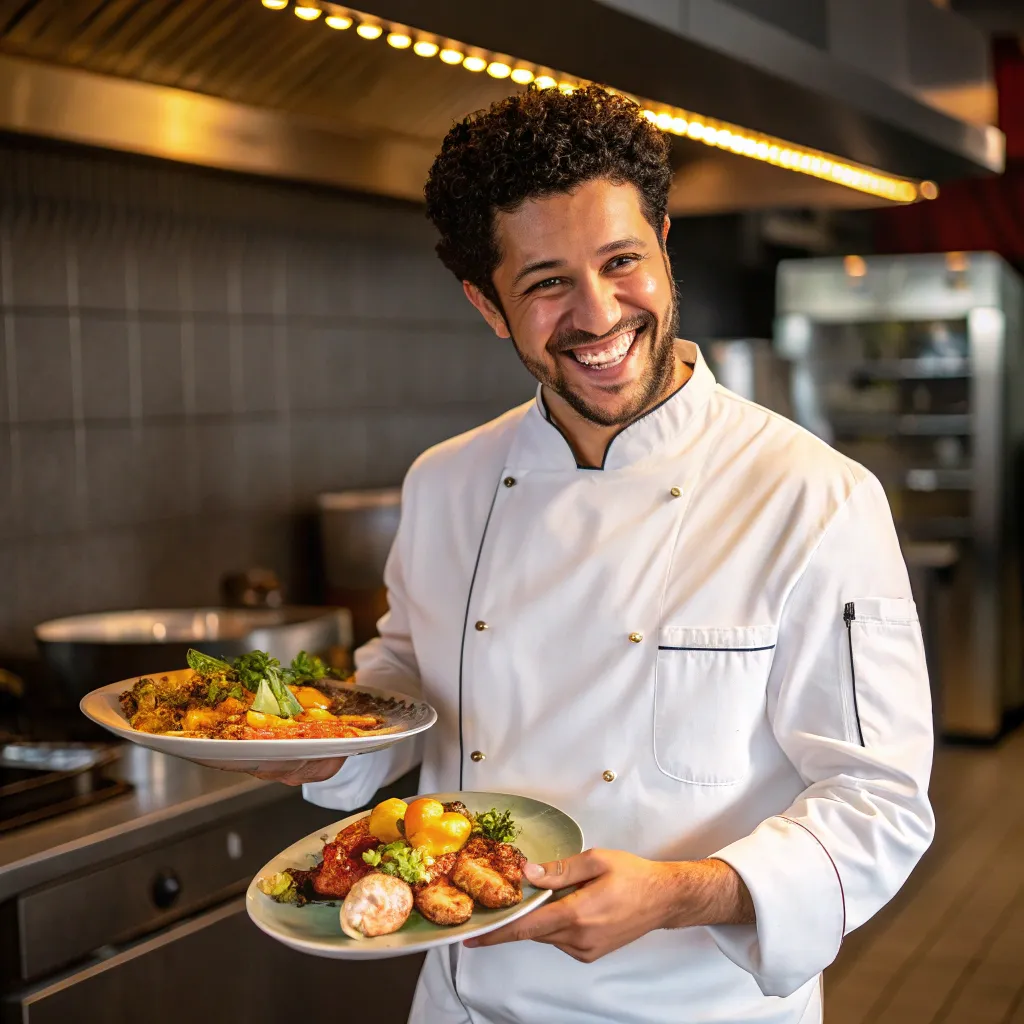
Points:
point(509, 481)
point(608, 776)
point(477, 755)
point(676, 492)
point(635, 638)
point(481, 626)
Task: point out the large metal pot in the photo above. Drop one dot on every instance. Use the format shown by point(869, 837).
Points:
point(87, 651)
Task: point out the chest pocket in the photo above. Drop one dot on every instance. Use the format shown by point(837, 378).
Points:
point(709, 699)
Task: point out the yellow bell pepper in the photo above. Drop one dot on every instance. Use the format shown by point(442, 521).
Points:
point(384, 820)
point(430, 828)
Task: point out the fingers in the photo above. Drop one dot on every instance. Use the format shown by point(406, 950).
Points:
point(296, 773)
point(560, 874)
point(540, 926)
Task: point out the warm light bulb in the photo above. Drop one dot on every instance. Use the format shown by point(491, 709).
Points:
point(651, 116)
point(679, 125)
point(498, 70)
point(338, 21)
point(451, 56)
point(928, 189)
point(474, 63)
point(663, 121)
point(567, 87)
point(308, 13)
point(522, 76)
point(855, 266)
point(544, 82)
point(425, 48)
point(399, 40)
point(369, 31)
point(275, 5)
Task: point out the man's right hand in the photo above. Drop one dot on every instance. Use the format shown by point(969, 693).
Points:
point(295, 773)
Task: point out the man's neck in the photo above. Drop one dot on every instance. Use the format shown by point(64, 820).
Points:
point(589, 441)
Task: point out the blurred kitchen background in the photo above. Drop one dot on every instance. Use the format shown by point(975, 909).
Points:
point(224, 336)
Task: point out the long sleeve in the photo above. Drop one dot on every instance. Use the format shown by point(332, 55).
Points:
point(387, 661)
point(849, 703)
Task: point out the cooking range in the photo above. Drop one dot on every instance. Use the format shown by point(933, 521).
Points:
point(122, 880)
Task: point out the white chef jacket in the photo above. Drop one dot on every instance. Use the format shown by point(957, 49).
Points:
point(720, 616)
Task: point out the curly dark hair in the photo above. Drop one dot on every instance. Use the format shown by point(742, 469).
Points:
point(533, 144)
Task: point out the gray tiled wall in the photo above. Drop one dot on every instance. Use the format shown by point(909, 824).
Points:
point(187, 359)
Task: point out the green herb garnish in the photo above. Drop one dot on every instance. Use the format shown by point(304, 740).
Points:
point(305, 667)
point(252, 667)
point(205, 665)
point(399, 859)
point(499, 827)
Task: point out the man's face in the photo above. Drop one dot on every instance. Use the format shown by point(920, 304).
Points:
point(589, 299)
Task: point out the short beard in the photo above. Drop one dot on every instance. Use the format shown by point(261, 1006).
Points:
point(650, 387)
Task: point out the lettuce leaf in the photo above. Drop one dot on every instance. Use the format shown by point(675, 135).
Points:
point(399, 859)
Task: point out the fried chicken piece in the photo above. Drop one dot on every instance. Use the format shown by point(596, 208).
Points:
point(343, 863)
point(491, 872)
point(441, 868)
point(355, 835)
point(441, 903)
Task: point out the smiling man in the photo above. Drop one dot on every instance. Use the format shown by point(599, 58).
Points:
point(651, 603)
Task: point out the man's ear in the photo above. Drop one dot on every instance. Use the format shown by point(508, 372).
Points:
point(666, 224)
point(494, 318)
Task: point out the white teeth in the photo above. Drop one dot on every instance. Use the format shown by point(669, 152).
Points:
point(611, 355)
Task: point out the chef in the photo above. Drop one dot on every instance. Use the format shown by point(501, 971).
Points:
point(668, 611)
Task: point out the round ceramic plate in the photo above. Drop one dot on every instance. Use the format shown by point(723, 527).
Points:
point(547, 834)
point(405, 718)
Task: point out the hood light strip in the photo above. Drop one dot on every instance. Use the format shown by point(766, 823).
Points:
point(673, 120)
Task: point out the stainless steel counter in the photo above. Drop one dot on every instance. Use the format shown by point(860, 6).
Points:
point(170, 797)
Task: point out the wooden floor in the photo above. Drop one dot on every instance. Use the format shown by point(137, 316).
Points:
point(950, 947)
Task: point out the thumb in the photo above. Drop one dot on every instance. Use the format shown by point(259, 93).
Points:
point(561, 874)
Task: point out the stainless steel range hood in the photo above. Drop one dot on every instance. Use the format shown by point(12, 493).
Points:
point(230, 84)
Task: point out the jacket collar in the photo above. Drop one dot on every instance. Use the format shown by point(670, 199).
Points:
point(539, 444)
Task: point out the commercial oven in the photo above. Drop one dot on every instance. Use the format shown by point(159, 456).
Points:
point(161, 935)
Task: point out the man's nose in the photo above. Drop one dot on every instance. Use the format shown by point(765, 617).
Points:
point(596, 307)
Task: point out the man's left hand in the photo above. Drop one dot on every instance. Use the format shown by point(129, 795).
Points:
point(622, 897)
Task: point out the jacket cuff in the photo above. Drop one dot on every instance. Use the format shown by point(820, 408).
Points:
point(799, 904)
point(352, 787)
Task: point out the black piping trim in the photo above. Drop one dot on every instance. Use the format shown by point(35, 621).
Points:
point(618, 433)
point(730, 650)
point(465, 623)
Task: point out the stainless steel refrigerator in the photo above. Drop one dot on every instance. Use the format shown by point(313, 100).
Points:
point(912, 365)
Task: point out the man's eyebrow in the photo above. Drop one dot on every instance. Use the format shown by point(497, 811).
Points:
point(531, 268)
point(609, 247)
point(629, 242)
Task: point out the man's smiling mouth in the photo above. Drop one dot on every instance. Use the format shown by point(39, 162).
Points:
point(603, 355)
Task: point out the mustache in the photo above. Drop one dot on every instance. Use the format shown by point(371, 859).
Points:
point(574, 337)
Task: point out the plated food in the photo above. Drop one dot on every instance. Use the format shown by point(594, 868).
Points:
point(254, 710)
point(439, 858)
point(410, 875)
point(252, 698)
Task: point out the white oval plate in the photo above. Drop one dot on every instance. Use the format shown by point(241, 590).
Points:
point(548, 834)
point(103, 707)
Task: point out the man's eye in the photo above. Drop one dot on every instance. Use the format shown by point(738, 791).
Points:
point(622, 261)
point(548, 282)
